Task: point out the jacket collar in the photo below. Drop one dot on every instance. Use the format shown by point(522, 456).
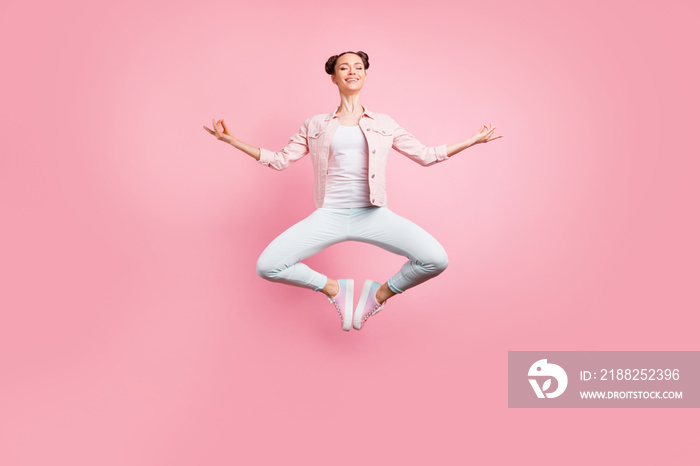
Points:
point(368, 112)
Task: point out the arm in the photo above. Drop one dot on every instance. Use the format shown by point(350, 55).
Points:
point(406, 144)
point(247, 148)
point(296, 148)
point(485, 134)
point(452, 149)
point(293, 151)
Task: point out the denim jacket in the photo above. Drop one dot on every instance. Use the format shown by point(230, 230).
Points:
point(382, 134)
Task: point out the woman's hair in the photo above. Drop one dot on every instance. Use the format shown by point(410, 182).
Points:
point(330, 63)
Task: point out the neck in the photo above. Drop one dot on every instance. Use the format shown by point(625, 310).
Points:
point(350, 105)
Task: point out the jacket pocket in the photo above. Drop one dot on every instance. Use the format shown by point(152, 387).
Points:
point(314, 137)
point(383, 137)
point(316, 132)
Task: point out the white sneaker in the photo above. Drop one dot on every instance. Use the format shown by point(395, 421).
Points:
point(368, 305)
point(343, 301)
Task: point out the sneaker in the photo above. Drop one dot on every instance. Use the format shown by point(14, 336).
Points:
point(343, 302)
point(368, 305)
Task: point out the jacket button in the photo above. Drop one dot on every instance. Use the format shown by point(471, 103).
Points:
point(315, 134)
point(374, 151)
point(372, 175)
point(366, 129)
point(372, 199)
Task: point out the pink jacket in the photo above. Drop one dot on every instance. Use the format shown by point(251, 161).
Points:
point(382, 134)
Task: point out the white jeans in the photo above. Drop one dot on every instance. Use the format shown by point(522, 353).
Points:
point(280, 261)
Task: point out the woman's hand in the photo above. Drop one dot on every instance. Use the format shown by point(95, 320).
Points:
point(222, 134)
point(485, 134)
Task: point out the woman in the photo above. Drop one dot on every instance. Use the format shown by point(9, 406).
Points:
point(349, 148)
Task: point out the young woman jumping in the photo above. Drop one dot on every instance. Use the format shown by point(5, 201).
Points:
point(349, 148)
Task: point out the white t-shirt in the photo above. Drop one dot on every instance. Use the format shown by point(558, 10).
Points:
point(347, 184)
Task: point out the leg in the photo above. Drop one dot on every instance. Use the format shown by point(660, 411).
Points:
point(384, 228)
point(280, 261)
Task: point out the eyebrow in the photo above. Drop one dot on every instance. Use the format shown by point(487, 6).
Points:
point(356, 63)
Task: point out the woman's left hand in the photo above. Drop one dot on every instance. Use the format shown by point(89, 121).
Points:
point(485, 134)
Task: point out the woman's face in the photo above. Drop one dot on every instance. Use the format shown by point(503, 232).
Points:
point(349, 73)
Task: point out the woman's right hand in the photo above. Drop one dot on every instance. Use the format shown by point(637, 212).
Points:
point(222, 134)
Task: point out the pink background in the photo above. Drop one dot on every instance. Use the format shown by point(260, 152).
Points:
point(136, 331)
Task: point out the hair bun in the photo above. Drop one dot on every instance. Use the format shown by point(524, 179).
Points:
point(330, 63)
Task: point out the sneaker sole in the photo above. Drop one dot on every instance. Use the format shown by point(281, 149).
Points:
point(349, 292)
point(357, 317)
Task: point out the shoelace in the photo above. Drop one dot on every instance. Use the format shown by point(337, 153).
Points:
point(376, 309)
point(337, 307)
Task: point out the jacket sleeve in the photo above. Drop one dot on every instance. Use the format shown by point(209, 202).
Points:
point(295, 149)
point(405, 143)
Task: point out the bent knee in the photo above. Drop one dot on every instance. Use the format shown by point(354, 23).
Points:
point(440, 263)
point(436, 263)
point(265, 269)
